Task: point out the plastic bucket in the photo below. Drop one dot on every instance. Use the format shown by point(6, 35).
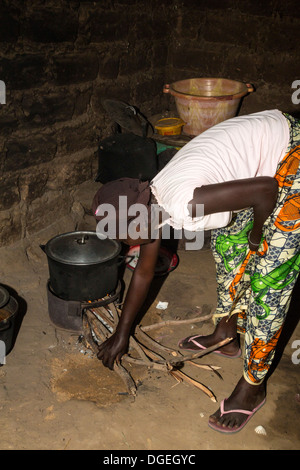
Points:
point(203, 102)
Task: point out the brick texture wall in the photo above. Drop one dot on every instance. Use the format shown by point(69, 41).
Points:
point(252, 41)
point(59, 58)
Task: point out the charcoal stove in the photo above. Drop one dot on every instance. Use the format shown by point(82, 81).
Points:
point(67, 314)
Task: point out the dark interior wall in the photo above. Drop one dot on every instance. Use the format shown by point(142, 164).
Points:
point(59, 58)
point(254, 41)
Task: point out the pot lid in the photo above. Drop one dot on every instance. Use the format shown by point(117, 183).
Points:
point(82, 248)
point(4, 296)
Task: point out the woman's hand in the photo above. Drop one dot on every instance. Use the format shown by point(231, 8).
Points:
point(113, 349)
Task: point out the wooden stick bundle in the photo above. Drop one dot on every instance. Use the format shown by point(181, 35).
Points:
point(100, 323)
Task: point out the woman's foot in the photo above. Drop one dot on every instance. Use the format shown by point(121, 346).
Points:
point(224, 329)
point(245, 397)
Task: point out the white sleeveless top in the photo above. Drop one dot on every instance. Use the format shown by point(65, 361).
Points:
point(238, 148)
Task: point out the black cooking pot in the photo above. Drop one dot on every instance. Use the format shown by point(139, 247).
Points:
point(8, 313)
point(82, 266)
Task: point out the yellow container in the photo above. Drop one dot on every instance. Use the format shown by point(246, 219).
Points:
point(169, 126)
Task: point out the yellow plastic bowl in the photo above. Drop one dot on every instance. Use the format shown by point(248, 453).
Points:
point(169, 126)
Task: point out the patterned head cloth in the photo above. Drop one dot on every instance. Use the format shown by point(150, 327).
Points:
point(135, 192)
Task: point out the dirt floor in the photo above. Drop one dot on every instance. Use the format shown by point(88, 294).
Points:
point(55, 394)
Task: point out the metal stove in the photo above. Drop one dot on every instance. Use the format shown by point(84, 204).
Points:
point(68, 314)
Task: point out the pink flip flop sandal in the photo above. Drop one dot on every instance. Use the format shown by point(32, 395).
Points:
point(192, 339)
point(227, 430)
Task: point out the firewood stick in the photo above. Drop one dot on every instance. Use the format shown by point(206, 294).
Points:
point(126, 377)
point(89, 341)
point(100, 337)
point(201, 353)
point(135, 345)
point(180, 375)
point(204, 366)
point(214, 369)
point(100, 330)
point(151, 365)
point(143, 336)
point(102, 314)
point(116, 314)
point(175, 322)
point(152, 354)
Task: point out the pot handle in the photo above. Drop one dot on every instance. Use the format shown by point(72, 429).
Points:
point(6, 326)
point(82, 240)
point(166, 88)
point(250, 87)
point(43, 248)
point(101, 303)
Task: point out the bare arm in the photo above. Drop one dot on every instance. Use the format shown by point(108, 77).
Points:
point(117, 345)
point(259, 193)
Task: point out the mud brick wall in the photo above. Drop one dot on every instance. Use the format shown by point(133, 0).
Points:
point(252, 41)
point(59, 58)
